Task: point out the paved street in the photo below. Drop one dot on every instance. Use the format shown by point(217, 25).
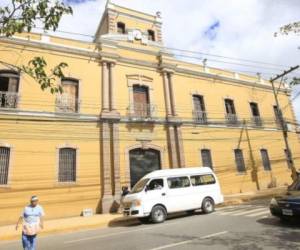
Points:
point(246, 226)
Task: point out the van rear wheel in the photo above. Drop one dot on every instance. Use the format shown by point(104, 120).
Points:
point(208, 205)
point(158, 214)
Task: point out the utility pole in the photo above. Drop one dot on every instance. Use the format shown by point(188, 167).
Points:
point(254, 170)
point(283, 122)
point(254, 167)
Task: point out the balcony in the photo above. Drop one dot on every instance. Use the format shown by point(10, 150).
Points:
point(8, 99)
point(66, 103)
point(141, 111)
point(256, 121)
point(231, 119)
point(200, 116)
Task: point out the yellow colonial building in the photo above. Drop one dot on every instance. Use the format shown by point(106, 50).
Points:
point(130, 106)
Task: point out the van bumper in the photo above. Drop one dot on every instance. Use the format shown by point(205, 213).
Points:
point(134, 212)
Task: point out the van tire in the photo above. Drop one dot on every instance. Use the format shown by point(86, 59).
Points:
point(158, 214)
point(208, 205)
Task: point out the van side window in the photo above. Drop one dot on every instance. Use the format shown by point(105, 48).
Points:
point(156, 184)
point(178, 182)
point(198, 180)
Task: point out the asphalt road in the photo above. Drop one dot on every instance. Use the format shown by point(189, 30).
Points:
point(246, 227)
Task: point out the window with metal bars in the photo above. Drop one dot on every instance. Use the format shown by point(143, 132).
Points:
point(239, 160)
point(67, 165)
point(265, 159)
point(4, 165)
point(206, 158)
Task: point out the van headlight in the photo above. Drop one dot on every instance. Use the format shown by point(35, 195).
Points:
point(136, 203)
point(274, 202)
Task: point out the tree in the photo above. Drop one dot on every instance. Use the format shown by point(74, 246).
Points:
point(289, 28)
point(22, 16)
point(286, 30)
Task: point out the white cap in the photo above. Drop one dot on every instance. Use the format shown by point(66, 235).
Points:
point(34, 198)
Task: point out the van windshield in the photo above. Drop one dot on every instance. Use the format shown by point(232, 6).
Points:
point(139, 186)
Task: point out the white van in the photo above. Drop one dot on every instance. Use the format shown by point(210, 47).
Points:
point(173, 190)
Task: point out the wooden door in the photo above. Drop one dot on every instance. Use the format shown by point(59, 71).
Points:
point(141, 101)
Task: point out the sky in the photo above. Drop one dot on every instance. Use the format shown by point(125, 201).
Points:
point(232, 28)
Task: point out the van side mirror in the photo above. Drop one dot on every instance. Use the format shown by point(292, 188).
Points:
point(146, 188)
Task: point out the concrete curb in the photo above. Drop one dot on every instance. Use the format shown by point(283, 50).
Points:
point(8, 233)
point(67, 225)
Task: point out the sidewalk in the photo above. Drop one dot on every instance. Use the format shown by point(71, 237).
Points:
point(235, 199)
point(73, 224)
point(65, 225)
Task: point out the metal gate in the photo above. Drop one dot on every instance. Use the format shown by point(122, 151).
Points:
point(142, 162)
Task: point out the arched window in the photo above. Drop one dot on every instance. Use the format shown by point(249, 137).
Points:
point(206, 158)
point(151, 35)
point(68, 100)
point(4, 164)
point(239, 160)
point(121, 29)
point(67, 165)
point(199, 109)
point(9, 87)
point(141, 101)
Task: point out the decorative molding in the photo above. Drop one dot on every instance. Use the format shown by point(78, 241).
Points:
point(61, 146)
point(140, 145)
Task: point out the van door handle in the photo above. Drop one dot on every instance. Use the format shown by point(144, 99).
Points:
point(163, 194)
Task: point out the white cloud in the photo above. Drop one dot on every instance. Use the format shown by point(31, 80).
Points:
point(246, 28)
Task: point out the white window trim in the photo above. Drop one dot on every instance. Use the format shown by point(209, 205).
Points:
point(75, 78)
point(140, 80)
point(57, 182)
point(10, 164)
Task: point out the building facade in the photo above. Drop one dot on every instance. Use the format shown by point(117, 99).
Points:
point(130, 106)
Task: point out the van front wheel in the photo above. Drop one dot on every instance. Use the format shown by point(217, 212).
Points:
point(158, 214)
point(208, 206)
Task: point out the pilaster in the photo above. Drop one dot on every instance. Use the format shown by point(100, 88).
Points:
point(172, 147)
point(167, 94)
point(105, 87)
point(180, 150)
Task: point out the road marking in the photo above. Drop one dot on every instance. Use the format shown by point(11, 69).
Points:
point(119, 233)
point(234, 211)
point(258, 214)
point(250, 211)
point(189, 241)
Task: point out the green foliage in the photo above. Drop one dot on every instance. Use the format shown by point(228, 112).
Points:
point(295, 81)
point(36, 68)
point(289, 28)
point(23, 15)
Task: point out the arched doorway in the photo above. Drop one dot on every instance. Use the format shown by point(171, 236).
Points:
point(142, 162)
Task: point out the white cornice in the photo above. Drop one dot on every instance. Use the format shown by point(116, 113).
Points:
point(50, 46)
point(96, 54)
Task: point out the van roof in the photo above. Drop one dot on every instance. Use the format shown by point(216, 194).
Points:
point(178, 171)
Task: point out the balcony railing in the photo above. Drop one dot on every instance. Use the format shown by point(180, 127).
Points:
point(257, 121)
point(8, 99)
point(141, 111)
point(200, 116)
point(66, 103)
point(231, 119)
